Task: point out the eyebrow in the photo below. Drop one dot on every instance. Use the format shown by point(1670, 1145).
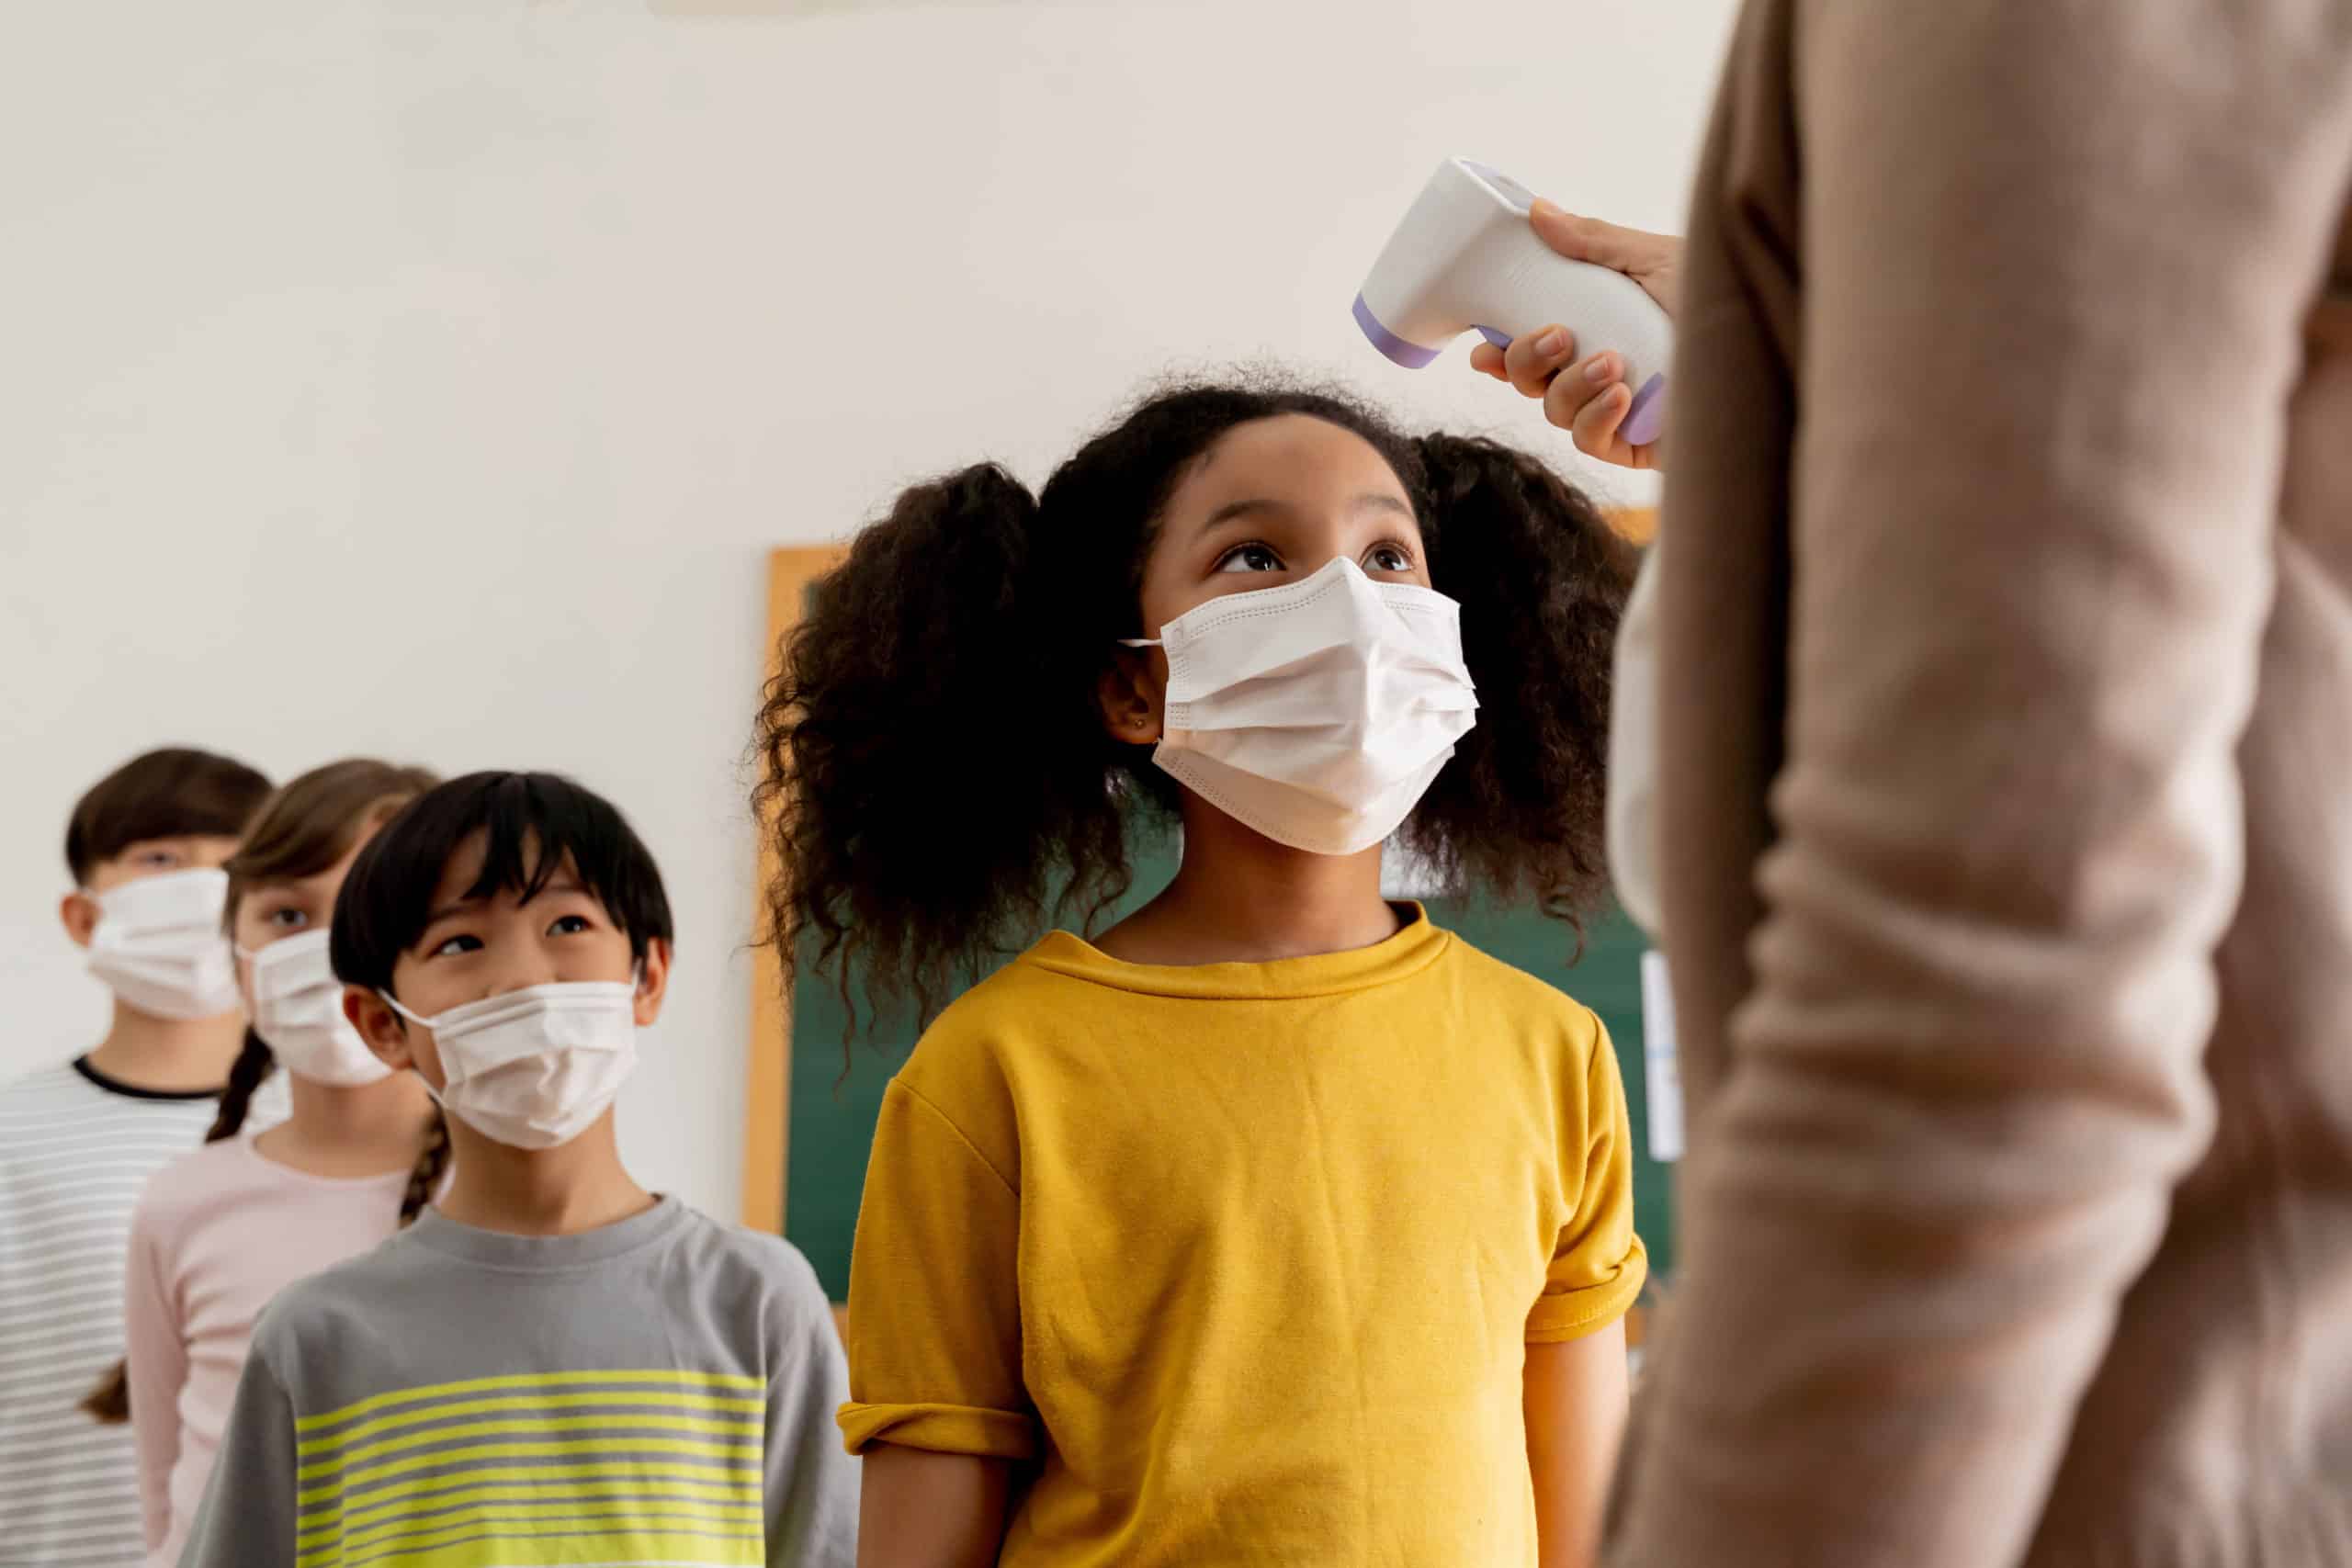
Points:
point(1371, 501)
point(561, 885)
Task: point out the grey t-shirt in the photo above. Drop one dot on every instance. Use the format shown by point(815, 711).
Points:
point(657, 1390)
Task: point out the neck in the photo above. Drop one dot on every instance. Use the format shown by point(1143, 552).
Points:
point(575, 1187)
point(1241, 897)
point(169, 1055)
point(353, 1131)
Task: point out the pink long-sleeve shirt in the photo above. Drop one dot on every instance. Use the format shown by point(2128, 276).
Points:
point(218, 1233)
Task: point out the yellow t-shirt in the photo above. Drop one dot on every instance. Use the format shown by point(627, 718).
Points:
point(1243, 1256)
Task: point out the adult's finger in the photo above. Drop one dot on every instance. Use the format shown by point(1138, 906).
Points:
point(1629, 251)
point(1534, 358)
point(1487, 360)
point(1595, 431)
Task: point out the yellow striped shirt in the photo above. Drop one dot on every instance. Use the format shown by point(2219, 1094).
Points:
point(656, 1392)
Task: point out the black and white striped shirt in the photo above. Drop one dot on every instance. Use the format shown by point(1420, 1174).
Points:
point(77, 1148)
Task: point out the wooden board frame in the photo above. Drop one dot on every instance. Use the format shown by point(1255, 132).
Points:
point(767, 1089)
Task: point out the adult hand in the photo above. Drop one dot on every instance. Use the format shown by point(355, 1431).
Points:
point(1589, 399)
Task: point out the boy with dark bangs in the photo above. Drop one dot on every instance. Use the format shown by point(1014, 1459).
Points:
point(553, 1365)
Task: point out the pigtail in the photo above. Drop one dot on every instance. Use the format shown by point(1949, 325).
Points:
point(930, 771)
point(109, 1402)
point(431, 1163)
point(252, 1068)
point(936, 779)
point(1542, 578)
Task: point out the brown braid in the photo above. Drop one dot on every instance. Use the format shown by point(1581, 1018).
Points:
point(110, 1401)
point(247, 1074)
point(432, 1162)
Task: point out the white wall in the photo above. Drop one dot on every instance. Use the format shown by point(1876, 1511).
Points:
point(428, 377)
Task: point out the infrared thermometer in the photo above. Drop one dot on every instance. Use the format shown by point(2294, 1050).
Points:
point(1465, 259)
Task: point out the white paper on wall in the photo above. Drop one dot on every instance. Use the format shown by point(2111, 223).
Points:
point(1659, 1075)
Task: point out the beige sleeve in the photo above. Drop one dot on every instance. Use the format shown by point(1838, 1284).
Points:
point(2049, 265)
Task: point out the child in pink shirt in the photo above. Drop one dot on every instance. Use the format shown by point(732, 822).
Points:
point(222, 1230)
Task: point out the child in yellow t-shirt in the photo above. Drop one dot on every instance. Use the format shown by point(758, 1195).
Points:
point(1274, 1223)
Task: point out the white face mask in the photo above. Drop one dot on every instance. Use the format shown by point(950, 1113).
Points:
point(159, 945)
point(1633, 753)
point(1316, 713)
point(534, 1068)
point(297, 1012)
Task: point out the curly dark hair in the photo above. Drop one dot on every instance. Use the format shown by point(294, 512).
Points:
point(966, 636)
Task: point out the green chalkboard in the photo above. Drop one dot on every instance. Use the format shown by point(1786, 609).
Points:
point(833, 1115)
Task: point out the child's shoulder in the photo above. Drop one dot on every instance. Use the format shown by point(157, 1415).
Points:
point(1499, 985)
point(30, 1105)
point(202, 1180)
point(42, 1085)
point(342, 1313)
point(65, 1119)
point(29, 1101)
point(757, 1274)
point(967, 1045)
point(717, 1244)
point(1008, 993)
point(1504, 976)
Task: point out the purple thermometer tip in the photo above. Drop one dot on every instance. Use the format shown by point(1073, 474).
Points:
point(1645, 421)
point(1411, 356)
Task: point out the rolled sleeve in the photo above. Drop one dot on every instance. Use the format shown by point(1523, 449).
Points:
point(1598, 1264)
point(935, 1300)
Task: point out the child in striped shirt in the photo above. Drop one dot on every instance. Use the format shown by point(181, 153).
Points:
point(79, 1140)
point(552, 1366)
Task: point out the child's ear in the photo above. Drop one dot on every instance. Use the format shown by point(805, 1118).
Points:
point(80, 913)
point(1130, 693)
point(385, 1030)
point(652, 982)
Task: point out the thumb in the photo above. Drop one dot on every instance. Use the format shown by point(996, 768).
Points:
point(1629, 251)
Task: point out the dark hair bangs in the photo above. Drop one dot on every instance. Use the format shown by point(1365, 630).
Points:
point(532, 826)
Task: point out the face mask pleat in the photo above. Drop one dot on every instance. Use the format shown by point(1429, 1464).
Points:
point(536, 1067)
point(158, 944)
point(1319, 712)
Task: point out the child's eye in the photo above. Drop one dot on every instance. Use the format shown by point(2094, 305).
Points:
point(1249, 557)
point(160, 859)
point(461, 942)
point(1390, 558)
point(569, 925)
point(289, 920)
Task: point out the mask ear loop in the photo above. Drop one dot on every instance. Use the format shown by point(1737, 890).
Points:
point(393, 1002)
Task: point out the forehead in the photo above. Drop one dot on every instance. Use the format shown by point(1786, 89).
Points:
point(181, 843)
point(196, 849)
point(465, 868)
point(1293, 458)
point(187, 849)
point(320, 877)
